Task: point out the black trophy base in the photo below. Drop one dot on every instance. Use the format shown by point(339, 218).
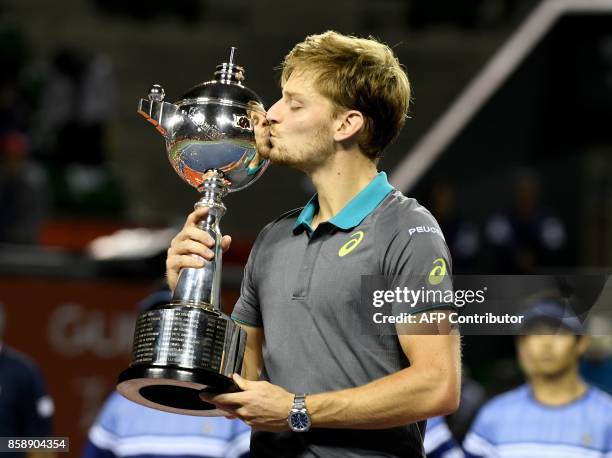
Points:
point(172, 389)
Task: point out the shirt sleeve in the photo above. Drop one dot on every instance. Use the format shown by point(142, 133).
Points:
point(103, 435)
point(37, 408)
point(91, 450)
point(439, 441)
point(608, 445)
point(240, 442)
point(417, 264)
point(480, 439)
point(246, 310)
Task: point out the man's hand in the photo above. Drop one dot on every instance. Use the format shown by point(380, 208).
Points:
point(190, 246)
point(260, 405)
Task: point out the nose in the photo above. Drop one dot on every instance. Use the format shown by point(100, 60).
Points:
point(546, 341)
point(273, 114)
point(259, 119)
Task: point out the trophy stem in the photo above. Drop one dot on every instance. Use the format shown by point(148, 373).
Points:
point(201, 286)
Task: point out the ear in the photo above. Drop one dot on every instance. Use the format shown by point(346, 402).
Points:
point(347, 125)
point(582, 344)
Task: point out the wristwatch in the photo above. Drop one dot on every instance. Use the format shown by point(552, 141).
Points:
point(299, 418)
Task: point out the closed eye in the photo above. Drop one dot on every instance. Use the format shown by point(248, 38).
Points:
point(293, 102)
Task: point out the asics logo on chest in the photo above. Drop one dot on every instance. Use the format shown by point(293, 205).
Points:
point(352, 243)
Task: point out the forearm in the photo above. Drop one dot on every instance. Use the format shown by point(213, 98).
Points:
point(251, 367)
point(410, 395)
point(253, 359)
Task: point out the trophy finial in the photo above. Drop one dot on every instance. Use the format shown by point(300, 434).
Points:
point(229, 72)
point(156, 93)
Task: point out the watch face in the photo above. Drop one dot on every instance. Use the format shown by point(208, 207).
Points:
point(300, 421)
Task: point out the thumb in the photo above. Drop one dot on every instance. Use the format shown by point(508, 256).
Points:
point(241, 382)
point(226, 241)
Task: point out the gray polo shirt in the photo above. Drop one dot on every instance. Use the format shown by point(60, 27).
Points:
point(304, 288)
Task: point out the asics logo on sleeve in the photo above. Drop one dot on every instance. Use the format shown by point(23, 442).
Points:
point(437, 274)
point(352, 243)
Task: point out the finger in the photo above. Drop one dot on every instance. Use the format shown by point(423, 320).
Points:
point(241, 382)
point(210, 398)
point(200, 236)
point(243, 414)
point(177, 262)
point(195, 216)
point(171, 279)
point(227, 409)
point(191, 247)
point(234, 400)
point(181, 237)
point(196, 234)
point(226, 241)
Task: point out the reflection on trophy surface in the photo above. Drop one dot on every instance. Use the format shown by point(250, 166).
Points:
point(189, 345)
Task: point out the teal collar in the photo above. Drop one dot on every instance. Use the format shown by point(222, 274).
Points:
point(354, 212)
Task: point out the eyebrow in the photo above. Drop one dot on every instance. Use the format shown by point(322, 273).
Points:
point(291, 94)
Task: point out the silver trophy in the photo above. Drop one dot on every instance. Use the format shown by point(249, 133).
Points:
point(189, 344)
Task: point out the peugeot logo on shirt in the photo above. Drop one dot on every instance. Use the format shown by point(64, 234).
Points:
point(425, 230)
point(352, 243)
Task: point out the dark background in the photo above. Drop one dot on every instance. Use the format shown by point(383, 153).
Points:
point(524, 188)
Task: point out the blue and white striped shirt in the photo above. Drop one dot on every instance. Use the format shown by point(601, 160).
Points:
point(516, 425)
point(439, 441)
point(125, 428)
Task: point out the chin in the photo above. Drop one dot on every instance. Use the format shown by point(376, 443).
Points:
point(286, 161)
point(549, 371)
point(277, 156)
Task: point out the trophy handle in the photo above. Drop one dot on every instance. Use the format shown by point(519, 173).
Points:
point(163, 115)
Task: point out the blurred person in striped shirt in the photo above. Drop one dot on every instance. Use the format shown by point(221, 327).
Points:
point(439, 441)
point(555, 414)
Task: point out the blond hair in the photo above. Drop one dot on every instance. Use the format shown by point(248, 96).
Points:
point(358, 74)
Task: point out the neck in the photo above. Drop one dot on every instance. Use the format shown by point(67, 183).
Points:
point(558, 390)
point(338, 180)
